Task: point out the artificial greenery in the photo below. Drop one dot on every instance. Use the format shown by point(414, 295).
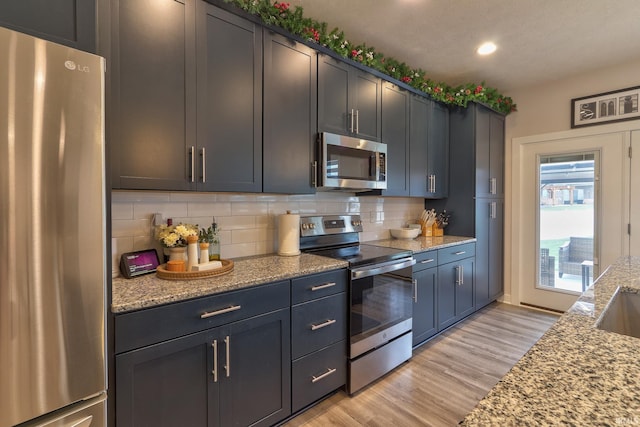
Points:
point(281, 15)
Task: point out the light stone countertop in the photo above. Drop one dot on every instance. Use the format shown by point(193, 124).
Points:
point(149, 290)
point(422, 244)
point(576, 374)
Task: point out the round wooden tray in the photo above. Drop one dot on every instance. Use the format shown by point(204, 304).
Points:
point(163, 273)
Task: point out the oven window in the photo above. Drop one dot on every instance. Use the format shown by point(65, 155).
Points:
point(379, 302)
point(350, 163)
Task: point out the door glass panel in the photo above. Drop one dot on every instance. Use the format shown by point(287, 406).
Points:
point(566, 221)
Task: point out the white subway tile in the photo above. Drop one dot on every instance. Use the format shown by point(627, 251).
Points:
point(249, 208)
point(121, 210)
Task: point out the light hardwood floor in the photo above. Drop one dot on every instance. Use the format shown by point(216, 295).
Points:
point(445, 378)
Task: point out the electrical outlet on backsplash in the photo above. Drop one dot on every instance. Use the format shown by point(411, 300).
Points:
point(247, 222)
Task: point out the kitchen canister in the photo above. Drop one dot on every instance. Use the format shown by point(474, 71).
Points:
point(289, 234)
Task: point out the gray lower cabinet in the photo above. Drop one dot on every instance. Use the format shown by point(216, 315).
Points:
point(455, 294)
point(290, 115)
point(425, 276)
point(318, 336)
point(68, 22)
point(234, 372)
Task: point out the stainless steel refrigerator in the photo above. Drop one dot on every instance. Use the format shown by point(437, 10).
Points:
point(52, 234)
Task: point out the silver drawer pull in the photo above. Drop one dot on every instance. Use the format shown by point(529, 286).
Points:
point(229, 309)
point(325, 375)
point(426, 261)
point(324, 286)
point(323, 324)
point(460, 253)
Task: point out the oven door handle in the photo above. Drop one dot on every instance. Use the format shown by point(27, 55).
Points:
point(359, 273)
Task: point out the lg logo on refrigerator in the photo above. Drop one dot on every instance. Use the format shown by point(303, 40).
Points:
point(76, 67)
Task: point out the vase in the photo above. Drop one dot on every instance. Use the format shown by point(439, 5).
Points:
point(178, 253)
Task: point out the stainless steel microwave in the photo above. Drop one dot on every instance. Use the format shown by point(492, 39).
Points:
point(348, 163)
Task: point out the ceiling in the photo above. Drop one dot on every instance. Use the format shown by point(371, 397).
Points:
point(538, 40)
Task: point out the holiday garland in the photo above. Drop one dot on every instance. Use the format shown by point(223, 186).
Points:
point(281, 15)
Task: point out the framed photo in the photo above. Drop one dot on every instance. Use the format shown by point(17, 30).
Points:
point(605, 107)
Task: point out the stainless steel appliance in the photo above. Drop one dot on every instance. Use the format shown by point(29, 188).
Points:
point(353, 164)
point(52, 234)
point(380, 295)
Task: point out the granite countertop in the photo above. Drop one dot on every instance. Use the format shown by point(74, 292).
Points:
point(422, 244)
point(576, 374)
point(149, 290)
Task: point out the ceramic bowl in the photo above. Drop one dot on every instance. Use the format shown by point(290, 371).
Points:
point(405, 233)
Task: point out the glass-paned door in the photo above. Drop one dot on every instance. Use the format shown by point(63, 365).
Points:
point(567, 212)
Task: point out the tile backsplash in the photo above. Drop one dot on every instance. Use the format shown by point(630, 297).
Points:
point(247, 222)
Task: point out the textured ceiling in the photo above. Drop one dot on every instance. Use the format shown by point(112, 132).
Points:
point(538, 40)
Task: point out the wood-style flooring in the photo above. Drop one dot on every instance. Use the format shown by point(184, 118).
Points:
point(446, 377)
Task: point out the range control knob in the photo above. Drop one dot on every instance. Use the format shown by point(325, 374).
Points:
point(304, 226)
point(312, 226)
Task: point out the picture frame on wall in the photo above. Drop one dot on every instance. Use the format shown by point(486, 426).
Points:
point(607, 107)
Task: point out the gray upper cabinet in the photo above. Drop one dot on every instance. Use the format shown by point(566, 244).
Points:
point(68, 22)
point(395, 133)
point(152, 108)
point(489, 134)
point(290, 115)
point(349, 100)
point(438, 152)
point(228, 154)
point(418, 140)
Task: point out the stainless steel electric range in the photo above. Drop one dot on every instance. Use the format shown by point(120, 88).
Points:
point(380, 295)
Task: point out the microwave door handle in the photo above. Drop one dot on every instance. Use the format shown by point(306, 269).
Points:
point(377, 175)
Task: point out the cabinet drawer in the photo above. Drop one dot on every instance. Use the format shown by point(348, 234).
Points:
point(152, 325)
point(318, 285)
point(454, 253)
point(317, 324)
point(318, 374)
point(425, 260)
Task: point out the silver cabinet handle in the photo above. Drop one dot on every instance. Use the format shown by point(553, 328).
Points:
point(492, 213)
point(214, 344)
point(357, 121)
point(229, 309)
point(314, 174)
point(493, 185)
point(352, 119)
point(315, 327)
point(323, 286)
point(460, 253)
point(227, 366)
point(460, 274)
point(415, 290)
point(427, 261)
point(326, 374)
point(204, 170)
point(193, 163)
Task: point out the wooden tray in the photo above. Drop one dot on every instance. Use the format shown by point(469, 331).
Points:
point(163, 273)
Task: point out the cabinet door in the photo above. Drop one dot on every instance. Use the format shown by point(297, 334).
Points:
point(366, 90)
point(153, 93)
point(290, 114)
point(465, 288)
point(447, 278)
point(483, 151)
point(438, 152)
point(256, 381)
point(334, 111)
point(68, 22)
point(167, 384)
point(418, 140)
point(483, 241)
point(395, 126)
point(424, 304)
point(496, 252)
point(496, 150)
point(229, 55)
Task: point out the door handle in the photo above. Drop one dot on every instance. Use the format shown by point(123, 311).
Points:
point(227, 366)
point(415, 290)
point(357, 121)
point(193, 163)
point(326, 374)
point(315, 327)
point(352, 119)
point(493, 185)
point(214, 344)
point(314, 174)
point(229, 309)
point(323, 286)
point(204, 170)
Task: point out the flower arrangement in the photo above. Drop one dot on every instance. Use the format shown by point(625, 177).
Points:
point(281, 15)
point(172, 236)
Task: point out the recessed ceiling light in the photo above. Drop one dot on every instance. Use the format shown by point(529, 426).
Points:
point(486, 48)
